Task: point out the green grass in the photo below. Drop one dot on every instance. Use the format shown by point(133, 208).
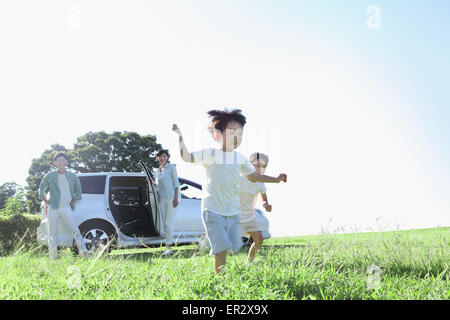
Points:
point(387, 265)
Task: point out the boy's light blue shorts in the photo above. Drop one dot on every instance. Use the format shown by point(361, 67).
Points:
point(224, 232)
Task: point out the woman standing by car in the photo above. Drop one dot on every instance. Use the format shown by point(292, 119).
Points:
point(169, 195)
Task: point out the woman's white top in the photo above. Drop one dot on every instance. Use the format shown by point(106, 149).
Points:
point(167, 180)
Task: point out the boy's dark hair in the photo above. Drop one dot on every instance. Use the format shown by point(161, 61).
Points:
point(160, 152)
point(220, 119)
point(60, 154)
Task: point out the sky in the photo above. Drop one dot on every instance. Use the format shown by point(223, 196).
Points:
point(351, 99)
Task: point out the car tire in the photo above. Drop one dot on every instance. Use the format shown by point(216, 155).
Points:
point(98, 235)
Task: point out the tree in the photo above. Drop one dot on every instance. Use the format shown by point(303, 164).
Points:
point(116, 152)
point(95, 152)
point(15, 205)
point(7, 190)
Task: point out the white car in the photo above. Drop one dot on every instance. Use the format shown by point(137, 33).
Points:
point(122, 208)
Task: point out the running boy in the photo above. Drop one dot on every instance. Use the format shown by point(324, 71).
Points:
point(248, 194)
point(224, 166)
point(65, 191)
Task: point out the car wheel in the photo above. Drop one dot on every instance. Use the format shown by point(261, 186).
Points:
point(98, 236)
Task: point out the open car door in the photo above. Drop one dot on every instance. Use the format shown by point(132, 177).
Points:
point(152, 196)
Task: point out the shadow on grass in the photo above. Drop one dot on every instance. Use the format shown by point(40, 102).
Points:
point(178, 253)
point(184, 253)
point(285, 246)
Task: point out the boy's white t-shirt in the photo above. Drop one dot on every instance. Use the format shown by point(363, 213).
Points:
point(223, 177)
point(248, 194)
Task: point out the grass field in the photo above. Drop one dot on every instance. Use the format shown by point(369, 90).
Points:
point(387, 265)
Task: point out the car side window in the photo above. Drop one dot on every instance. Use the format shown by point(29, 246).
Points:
point(93, 184)
point(126, 196)
point(190, 192)
point(128, 191)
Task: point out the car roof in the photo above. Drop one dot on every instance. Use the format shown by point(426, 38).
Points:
point(111, 174)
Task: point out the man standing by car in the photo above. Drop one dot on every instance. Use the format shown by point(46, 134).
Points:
point(65, 191)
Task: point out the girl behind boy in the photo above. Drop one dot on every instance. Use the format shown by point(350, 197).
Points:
point(248, 197)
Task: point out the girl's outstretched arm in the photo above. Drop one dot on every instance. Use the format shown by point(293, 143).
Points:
point(185, 154)
point(256, 177)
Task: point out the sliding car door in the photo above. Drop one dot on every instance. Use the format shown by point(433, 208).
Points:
point(128, 201)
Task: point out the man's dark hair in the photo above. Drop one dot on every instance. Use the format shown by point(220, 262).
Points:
point(220, 119)
point(160, 152)
point(60, 154)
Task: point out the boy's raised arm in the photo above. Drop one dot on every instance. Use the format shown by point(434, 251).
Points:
point(185, 154)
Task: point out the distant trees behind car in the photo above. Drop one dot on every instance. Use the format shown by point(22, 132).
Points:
point(7, 190)
point(12, 200)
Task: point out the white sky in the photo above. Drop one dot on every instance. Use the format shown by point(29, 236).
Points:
point(327, 116)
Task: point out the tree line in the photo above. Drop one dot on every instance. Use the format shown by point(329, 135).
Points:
point(92, 152)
